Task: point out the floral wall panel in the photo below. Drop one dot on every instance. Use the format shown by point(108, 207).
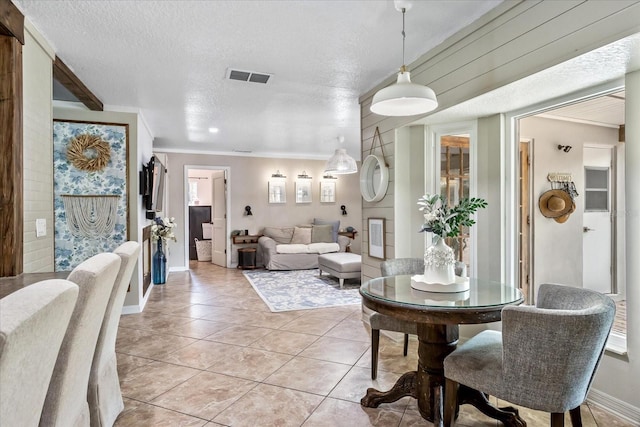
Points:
point(90, 190)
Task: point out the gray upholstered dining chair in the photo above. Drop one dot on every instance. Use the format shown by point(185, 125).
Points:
point(544, 359)
point(104, 395)
point(33, 322)
point(393, 267)
point(66, 401)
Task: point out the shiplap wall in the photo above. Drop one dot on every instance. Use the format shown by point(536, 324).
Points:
point(514, 40)
point(37, 151)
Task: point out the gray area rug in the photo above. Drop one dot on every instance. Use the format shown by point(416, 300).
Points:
point(302, 289)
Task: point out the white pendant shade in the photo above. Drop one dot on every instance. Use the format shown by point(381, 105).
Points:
point(341, 163)
point(404, 98)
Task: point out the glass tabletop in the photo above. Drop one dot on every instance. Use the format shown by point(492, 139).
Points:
point(481, 294)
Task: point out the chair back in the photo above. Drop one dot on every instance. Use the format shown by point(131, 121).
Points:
point(33, 322)
point(399, 266)
point(551, 351)
point(104, 395)
point(66, 401)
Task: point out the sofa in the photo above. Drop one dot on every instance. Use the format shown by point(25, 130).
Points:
point(298, 247)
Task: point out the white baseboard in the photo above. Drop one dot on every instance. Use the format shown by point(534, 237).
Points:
point(178, 269)
point(615, 406)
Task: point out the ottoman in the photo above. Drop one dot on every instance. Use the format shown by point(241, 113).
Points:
point(343, 265)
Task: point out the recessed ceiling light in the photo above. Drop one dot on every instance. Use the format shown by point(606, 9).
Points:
point(214, 130)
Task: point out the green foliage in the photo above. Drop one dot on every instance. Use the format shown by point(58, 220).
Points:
point(444, 221)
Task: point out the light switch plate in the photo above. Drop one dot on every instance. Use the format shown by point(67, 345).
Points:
point(41, 227)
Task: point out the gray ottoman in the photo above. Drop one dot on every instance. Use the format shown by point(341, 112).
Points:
point(343, 265)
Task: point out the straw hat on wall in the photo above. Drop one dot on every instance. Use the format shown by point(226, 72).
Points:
point(555, 203)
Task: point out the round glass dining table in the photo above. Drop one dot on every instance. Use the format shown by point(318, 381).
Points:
point(437, 315)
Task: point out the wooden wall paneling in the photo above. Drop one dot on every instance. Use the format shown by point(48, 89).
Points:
point(11, 21)
point(11, 185)
point(69, 80)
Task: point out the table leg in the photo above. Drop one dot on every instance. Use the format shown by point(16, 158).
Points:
point(435, 343)
point(405, 386)
point(508, 415)
point(425, 384)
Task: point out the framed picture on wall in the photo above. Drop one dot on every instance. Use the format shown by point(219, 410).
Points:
point(376, 238)
point(303, 190)
point(277, 191)
point(327, 191)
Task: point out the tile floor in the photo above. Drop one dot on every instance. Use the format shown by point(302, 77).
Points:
point(206, 351)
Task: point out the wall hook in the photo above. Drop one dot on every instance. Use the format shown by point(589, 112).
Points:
point(344, 209)
point(247, 210)
point(565, 148)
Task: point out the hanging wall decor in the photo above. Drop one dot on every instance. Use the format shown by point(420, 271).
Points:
point(88, 152)
point(90, 190)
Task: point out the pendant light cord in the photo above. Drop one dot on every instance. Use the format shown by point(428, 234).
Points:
point(403, 37)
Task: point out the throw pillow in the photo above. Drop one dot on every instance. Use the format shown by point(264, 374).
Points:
point(281, 235)
point(301, 235)
point(334, 224)
point(322, 234)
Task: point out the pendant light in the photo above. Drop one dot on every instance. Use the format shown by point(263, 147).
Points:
point(404, 98)
point(341, 163)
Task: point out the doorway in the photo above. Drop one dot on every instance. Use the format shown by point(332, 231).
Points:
point(587, 249)
point(206, 194)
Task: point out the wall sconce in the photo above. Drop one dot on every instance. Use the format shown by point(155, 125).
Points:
point(344, 209)
point(277, 175)
point(329, 176)
point(304, 175)
point(565, 148)
point(247, 210)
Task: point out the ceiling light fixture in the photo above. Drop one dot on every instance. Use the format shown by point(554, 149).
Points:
point(214, 130)
point(341, 163)
point(404, 98)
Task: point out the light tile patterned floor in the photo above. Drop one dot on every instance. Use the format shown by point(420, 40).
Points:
point(208, 352)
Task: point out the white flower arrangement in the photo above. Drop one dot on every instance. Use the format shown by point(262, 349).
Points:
point(163, 229)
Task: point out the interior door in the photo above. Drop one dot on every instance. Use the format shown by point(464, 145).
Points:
point(219, 227)
point(597, 224)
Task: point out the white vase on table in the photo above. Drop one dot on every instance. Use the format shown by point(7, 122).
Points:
point(439, 264)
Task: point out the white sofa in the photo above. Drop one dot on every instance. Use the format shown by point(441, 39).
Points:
point(297, 248)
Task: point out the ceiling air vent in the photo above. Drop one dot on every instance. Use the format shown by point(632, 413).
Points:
point(248, 76)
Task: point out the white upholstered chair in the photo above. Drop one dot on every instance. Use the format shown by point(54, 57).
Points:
point(33, 322)
point(544, 359)
point(66, 401)
point(104, 395)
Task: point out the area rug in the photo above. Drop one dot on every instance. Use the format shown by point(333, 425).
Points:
point(301, 289)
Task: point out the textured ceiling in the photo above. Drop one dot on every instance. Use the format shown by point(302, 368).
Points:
point(170, 59)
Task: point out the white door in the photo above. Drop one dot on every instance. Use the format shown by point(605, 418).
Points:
point(597, 220)
point(219, 227)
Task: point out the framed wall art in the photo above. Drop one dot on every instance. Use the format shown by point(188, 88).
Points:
point(277, 191)
point(303, 190)
point(90, 190)
point(327, 191)
point(376, 238)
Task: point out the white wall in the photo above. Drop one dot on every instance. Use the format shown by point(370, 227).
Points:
point(37, 150)
point(247, 185)
point(204, 180)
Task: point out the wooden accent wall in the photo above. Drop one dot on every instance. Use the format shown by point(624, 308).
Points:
point(69, 80)
point(11, 225)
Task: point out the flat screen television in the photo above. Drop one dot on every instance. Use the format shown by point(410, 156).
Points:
point(152, 182)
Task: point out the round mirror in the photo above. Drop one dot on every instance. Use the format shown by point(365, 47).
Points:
point(374, 178)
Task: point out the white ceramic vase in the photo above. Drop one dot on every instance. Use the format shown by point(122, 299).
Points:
point(439, 264)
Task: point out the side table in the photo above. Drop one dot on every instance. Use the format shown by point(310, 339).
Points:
point(247, 258)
